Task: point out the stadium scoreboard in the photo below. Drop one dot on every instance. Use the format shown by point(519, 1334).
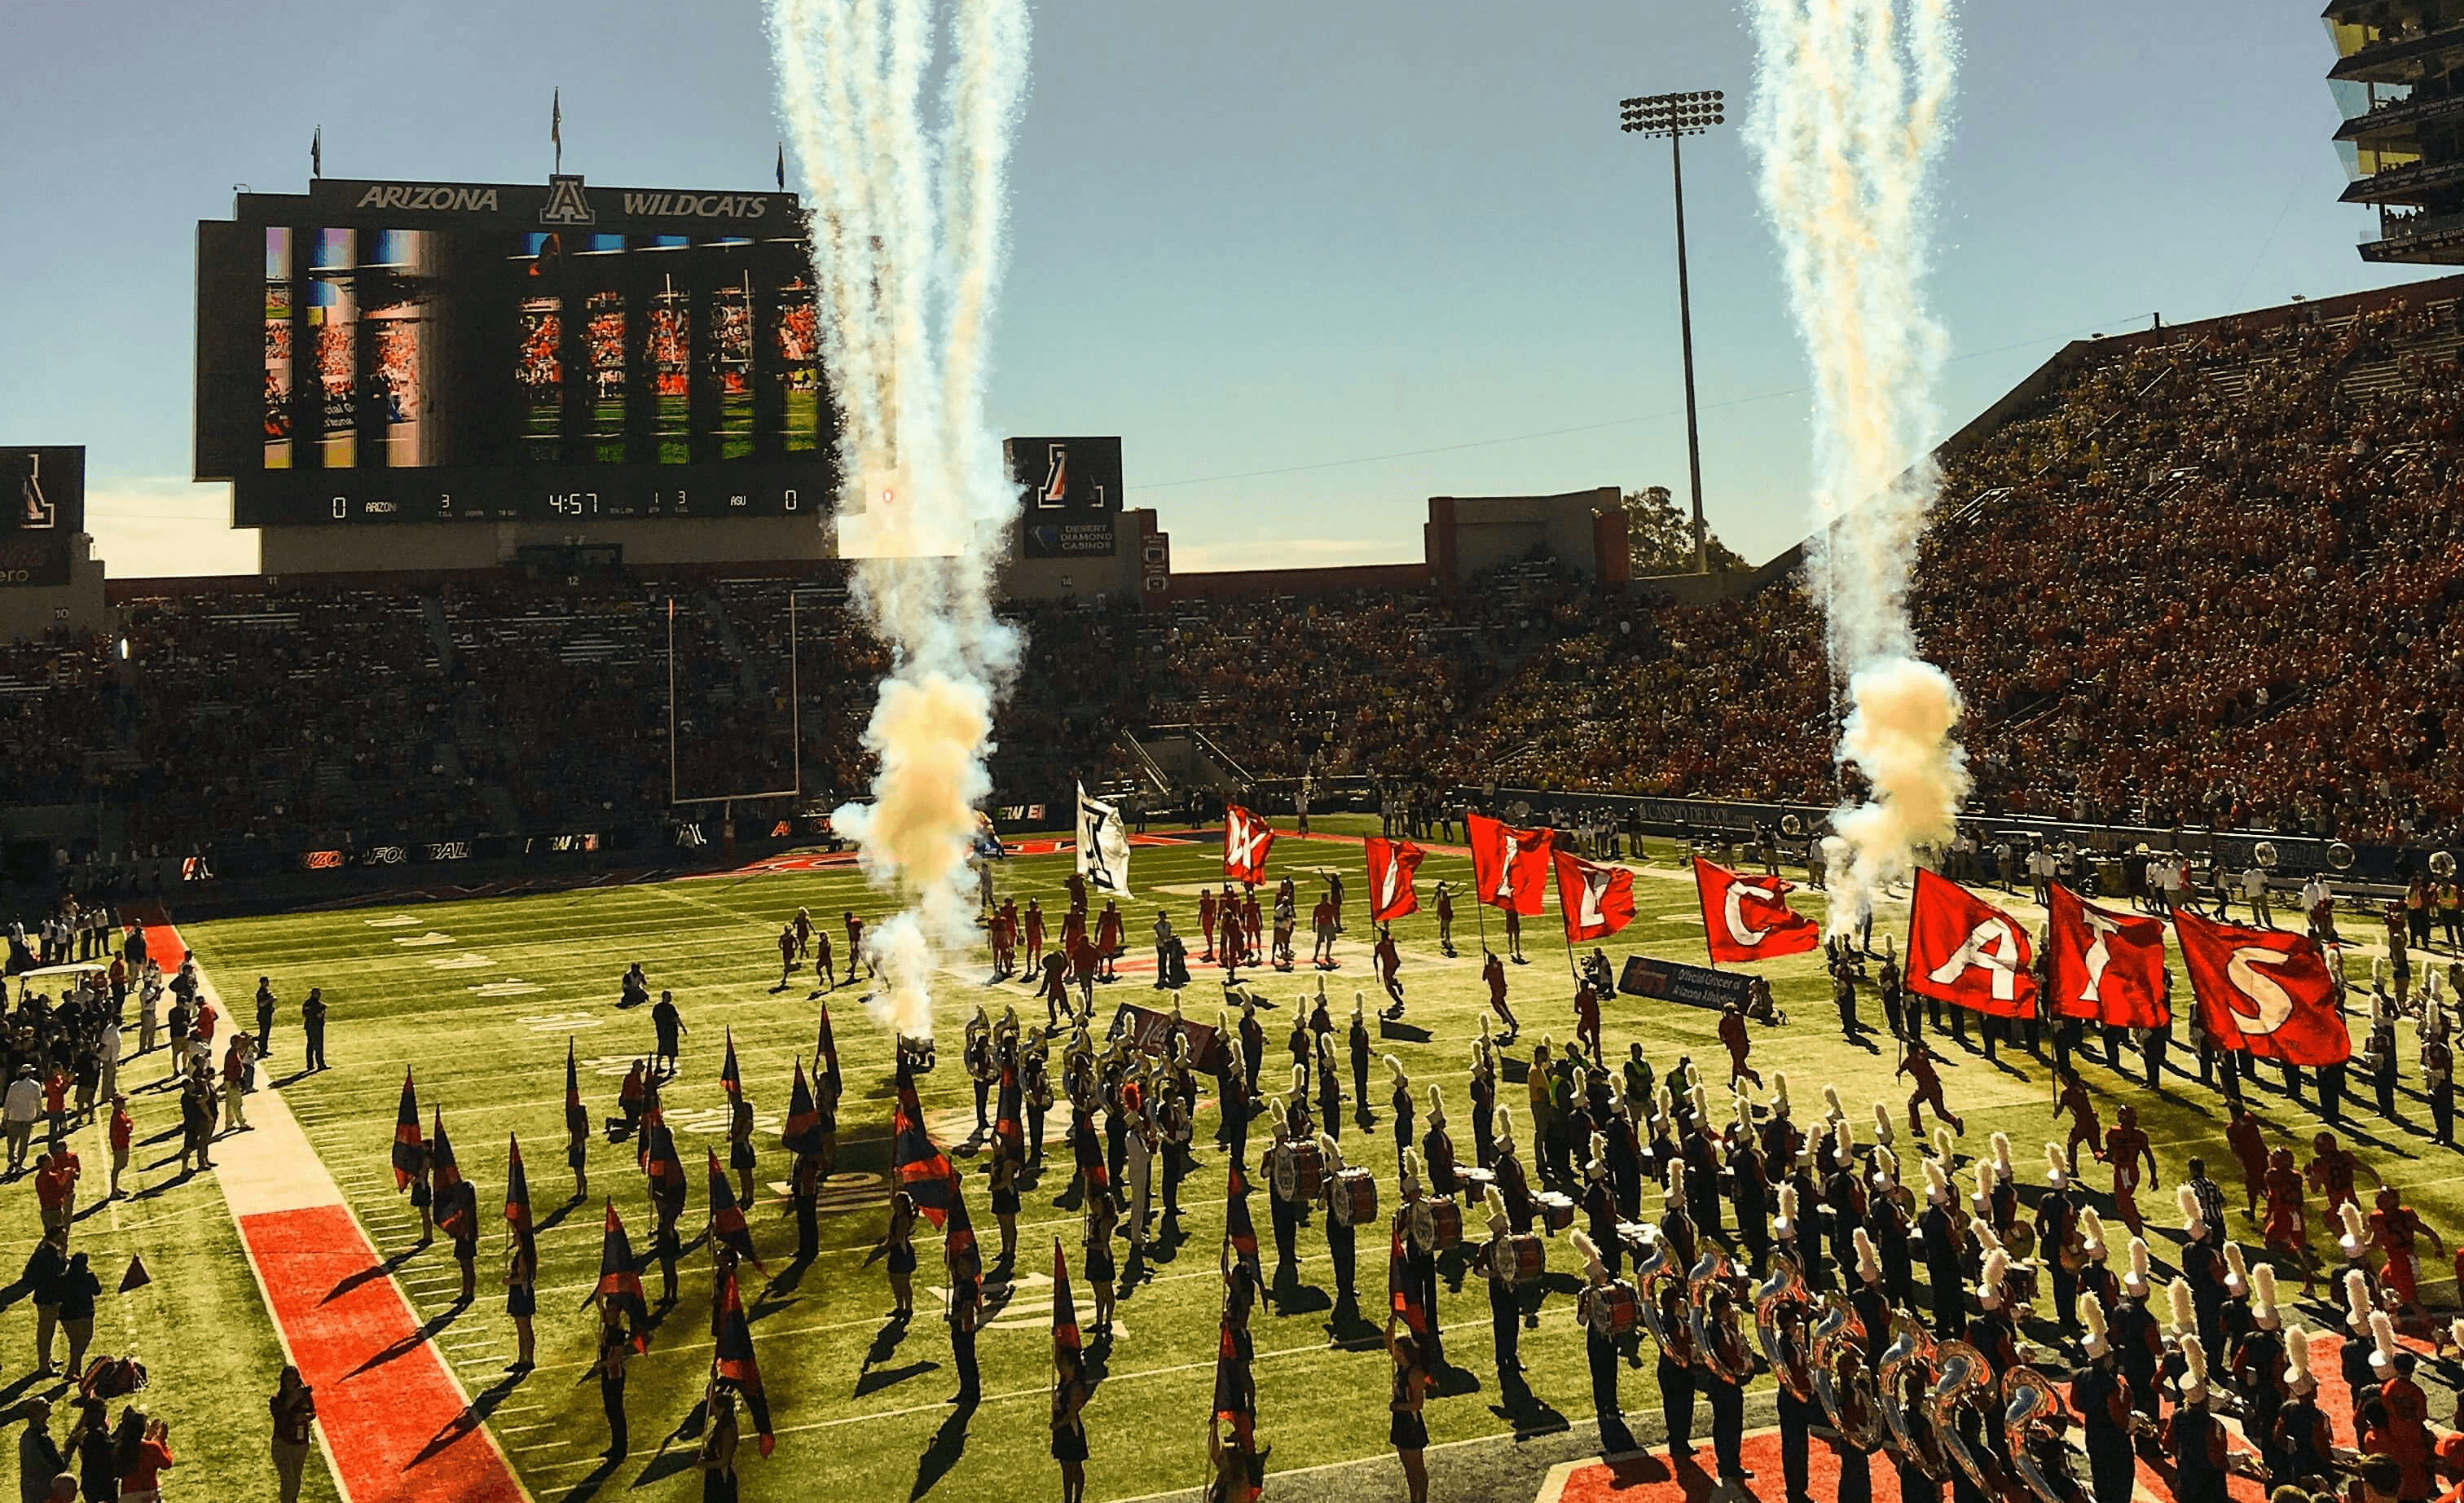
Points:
point(42, 511)
point(1071, 495)
point(442, 352)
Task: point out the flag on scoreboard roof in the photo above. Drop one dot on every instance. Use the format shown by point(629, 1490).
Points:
point(1065, 1304)
point(518, 1186)
point(1747, 918)
point(730, 1080)
point(1964, 951)
point(825, 1060)
point(1595, 900)
point(2266, 991)
point(577, 1116)
point(916, 1165)
point(1103, 846)
point(1509, 867)
point(802, 1133)
point(736, 1363)
point(2105, 967)
point(620, 1279)
point(1392, 865)
point(1247, 840)
point(443, 1170)
point(727, 1225)
point(406, 1142)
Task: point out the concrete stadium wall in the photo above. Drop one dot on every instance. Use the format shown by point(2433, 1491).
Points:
point(28, 611)
point(414, 547)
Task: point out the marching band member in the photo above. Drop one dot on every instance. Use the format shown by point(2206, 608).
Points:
point(2193, 1435)
point(1420, 1251)
point(2258, 1361)
point(2099, 1395)
point(1599, 1205)
point(2136, 1345)
point(1497, 1263)
point(1511, 1182)
point(2302, 1446)
point(2058, 1237)
point(1438, 1146)
point(1593, 1312)
point(1944, 1247)
point(1339, 1233)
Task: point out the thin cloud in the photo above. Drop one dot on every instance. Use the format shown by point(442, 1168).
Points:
point(1283, 552)
point(163, 526)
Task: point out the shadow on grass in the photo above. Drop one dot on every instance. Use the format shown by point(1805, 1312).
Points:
point(949, 1443)
point(474, 1415)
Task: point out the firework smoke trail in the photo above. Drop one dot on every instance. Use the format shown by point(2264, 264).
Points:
point(1848, 116)
point(906, 230)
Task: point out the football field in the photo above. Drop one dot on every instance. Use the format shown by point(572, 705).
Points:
point(479, 999)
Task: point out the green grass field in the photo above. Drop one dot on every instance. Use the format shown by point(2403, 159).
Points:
point(480, 997)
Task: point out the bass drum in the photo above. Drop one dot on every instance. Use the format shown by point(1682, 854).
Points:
point(1356, 1197)
point(1530, 1257)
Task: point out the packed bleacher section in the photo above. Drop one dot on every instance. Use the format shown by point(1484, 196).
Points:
point(2207, 576)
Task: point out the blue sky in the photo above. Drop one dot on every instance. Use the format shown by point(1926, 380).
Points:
point(1283, 236)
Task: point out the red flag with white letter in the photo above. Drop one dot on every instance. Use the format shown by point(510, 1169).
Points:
point(1965, 951)
point(1597, 901)
point(1509, 867)
point(2108, 967)
point(1391, 865)
point(1747, 918)
point(1247, 840)
point(2263, 990)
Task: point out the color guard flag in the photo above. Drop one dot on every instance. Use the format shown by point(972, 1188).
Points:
point(1238, 1228)
point(1247, 840)
point(1007, 1109)
point(443, 1170)
point(736, 1363)
point(577, 1116)
point(620, 1279)
point(517, 1186)
point(1392, 891)
point(2105, 966)
point(1103, 846)
point(1403, 1291)
point(2266, 991)
point(727, 1226)
point(916, 1165)
point(802, 1133)
point(1968, 952)
point(730, 1080)
point(654, 1116)
point(1236, 1395)
point(406, 1137)
point(1747, 918)
point(1509, 866)
point(1065, 1304)
point(825, 1062)
point(958, 1248)
point(1088, 1149)
point(1597, 901)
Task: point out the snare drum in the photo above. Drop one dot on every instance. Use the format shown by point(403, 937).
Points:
point(1530, 1257)
point(1308, 1171)
point(1620, 1306)
point(1556, 1209)
point(1356, 1198)
point(1476, 1184)
point(1446, 1221)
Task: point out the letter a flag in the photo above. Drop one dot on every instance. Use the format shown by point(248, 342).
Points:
point(1392, 864)
point(577, 1116)
point(1597, 901)
point(406, 1137)
point(727, 1226)
point(1065, 1304)
point(2105, 966)
point(1103, 846)
point(1747, 918)
point(517, 1186)
point(802, 1133)
point(1965, 951)
point(2263, 990)
point(620, 1280)
point(916, 1165)
point(1509, 867)
point(736, 1363)
point(1247, 840)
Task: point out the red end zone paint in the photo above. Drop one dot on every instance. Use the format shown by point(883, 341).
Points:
point(392, 1414)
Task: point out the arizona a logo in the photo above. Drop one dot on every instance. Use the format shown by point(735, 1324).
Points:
point(566, 202)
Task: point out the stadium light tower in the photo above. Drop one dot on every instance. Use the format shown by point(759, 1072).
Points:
point(1676, 116)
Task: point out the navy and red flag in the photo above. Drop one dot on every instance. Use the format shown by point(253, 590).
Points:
point(825, 1060)
point(1007, 1111)
point(1236, 1395)
point(1065, 1304)
point(802, 1133)
point(727, 1225)
point(1087, 1144)
point(517, 1186)
point(665, 1166)
point(736, 1363)
point(406, 1137)
point(620, 1280)
point(1403, 1291)
point(917, 1166)
point(654, 1116)
point(958, 1248)
point(1238, 1229)
point(728, 1078)
point(577, 1116)
point(443, 1170)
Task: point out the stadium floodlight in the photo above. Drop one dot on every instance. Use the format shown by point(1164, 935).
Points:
point(1676, 116)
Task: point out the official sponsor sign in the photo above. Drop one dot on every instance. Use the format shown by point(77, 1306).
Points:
point(1147, 1030)
point(1674, 981)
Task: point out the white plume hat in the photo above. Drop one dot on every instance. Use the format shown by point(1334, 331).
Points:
point(2355, 1241)
point(2236, 1271)
point(1779, 1093)
point(2091, 1310)
point(1869, 1263)
point(1437, 1106)
point(2382, 1343)
point(1989, 1286)
point(2357, 1300)
point(2193, 1222)
point(2297, 1379)
point(2262, 1295)
point(1498, 1219)
point(2194, 1369)
point(1395, 1068)
point(1590, 1253)
point(2092, 1234)
point(2184, 1310)
point(2136, 1281)
point(2001, 1141)
point(1937, 1187)
point(1884, 1131)
point(2055, 1175)
point(1833, 1111)
point(1785, 1228)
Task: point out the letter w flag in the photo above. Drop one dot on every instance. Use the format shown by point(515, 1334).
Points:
point(1247, 840)
point(1392, 864)
point(1509, 867)
point(1965, 951)
point(2108, 967)
point(2263, 990)
point(1747, 918)
point(1597, 901)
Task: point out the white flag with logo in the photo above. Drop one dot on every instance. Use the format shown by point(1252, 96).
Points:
point(1103, 846)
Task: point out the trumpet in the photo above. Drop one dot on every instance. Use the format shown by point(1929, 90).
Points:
point(1776, 1303)
point(1962, 1379)
point(1907, 1363)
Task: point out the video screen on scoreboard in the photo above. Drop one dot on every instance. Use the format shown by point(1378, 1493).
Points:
point(1072, 488)
point(390, 352)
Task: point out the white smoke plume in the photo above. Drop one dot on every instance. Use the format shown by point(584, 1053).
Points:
point(1849, 113)
point(906, 220)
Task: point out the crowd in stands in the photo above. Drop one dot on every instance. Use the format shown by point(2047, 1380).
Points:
point(2210, 576)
